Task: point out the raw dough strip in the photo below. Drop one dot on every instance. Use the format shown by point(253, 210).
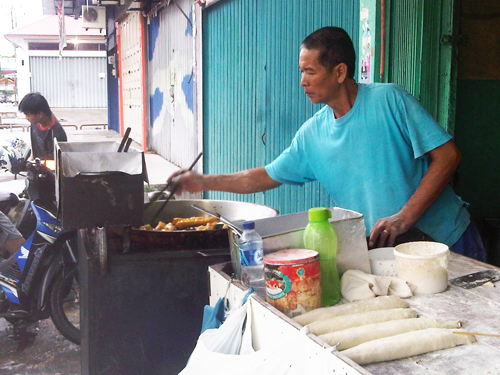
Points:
point(357, 335)
point(379, 303)
point(406, 345)
point(339, 323)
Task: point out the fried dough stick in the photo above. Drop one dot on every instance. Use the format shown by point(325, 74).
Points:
point(181, 223)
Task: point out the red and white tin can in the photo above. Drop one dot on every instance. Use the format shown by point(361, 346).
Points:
point(293, 283)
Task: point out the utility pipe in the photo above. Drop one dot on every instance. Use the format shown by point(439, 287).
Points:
point(382, 40)
point(143, 87)
point(120, 78)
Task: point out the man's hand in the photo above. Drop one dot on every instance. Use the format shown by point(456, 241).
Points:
point(387, 229)
point(185, 180)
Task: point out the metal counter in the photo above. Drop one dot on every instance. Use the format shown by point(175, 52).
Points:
point(478, 309)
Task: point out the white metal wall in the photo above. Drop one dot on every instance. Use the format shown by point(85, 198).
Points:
point(131, 75)
point(172, 87)
point(70, 82)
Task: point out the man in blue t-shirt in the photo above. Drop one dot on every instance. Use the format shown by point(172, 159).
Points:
point(373, 147)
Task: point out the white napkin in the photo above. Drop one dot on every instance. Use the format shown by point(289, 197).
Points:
point(356, 285)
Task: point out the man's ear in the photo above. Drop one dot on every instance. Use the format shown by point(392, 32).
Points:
point(341, 72)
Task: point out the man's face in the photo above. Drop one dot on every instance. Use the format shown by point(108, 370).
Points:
point(33, 118)
point(320, 85)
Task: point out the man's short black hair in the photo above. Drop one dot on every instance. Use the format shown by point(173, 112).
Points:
point(34, 103)
point(334, 46)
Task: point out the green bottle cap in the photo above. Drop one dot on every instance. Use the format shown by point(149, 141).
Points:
point(319, 214)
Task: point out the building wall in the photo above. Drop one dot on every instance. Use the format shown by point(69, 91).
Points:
point(131, 72)
point(113, 93)
point(23, 73)
point(172, 131)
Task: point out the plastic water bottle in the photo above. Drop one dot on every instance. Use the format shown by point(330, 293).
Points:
point(321, 236)
point(252, 258)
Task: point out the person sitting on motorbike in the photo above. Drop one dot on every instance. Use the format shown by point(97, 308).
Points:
point(10, 238)
point(44, 126)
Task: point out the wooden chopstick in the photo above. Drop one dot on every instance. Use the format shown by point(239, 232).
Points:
point(476, 334)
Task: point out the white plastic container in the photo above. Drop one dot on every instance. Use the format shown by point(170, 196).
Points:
point(383, 261)
point(424, 265)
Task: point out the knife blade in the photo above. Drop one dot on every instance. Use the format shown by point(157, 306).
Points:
point(475, 279)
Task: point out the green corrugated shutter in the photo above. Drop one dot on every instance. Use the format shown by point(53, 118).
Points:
point(420, 54)
point(252, 90)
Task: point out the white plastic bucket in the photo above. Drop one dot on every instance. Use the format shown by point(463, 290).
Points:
point(383, 261)
point(424, 265)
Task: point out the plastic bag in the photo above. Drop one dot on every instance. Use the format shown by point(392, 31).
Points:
point(286, 357)
point(227, 338)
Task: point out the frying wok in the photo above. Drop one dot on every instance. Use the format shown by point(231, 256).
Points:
point(151, 241)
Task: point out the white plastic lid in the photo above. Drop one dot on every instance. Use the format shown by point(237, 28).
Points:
point(421, 250)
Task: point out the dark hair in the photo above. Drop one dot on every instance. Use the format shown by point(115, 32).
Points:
point(34, 103)
point(334, 46)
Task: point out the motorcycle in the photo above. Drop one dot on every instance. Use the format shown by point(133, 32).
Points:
point(14, 153)
point(41, 279)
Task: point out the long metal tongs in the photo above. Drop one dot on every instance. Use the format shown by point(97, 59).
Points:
point(172, 192)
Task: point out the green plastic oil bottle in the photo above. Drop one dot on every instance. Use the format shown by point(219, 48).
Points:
point(321, 236)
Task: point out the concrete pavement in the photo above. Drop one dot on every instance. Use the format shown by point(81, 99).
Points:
point(158, 168)
point(75, 116)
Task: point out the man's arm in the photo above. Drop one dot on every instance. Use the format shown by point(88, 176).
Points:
point(10, 239)
point(444, 161)
point(243, 182)
point(60, 134)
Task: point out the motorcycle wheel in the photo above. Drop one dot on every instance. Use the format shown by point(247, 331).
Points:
point(65, 305)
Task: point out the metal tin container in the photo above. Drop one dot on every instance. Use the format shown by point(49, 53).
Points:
point(98, 186)
point(293, 283)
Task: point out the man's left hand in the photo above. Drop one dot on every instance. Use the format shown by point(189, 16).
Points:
point(387, 229)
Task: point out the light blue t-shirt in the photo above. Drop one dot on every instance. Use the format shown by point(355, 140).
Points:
point(372, 159)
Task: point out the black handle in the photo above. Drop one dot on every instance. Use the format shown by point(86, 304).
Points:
point(124, 140)
point(127, 145)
